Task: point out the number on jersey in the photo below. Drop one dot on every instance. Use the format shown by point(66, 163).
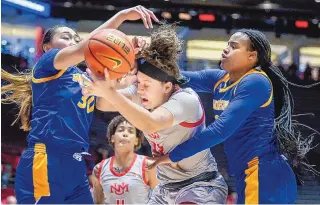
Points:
point(87, 102)
point(157, 148)
point(120, 201)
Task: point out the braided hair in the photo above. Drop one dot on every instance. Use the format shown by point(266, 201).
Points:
point(290, 141)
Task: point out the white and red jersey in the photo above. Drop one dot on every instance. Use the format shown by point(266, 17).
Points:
point(189, 119)
point(127, 187)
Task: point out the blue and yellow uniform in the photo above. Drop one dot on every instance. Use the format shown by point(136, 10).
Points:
point(244, 121)
point(52, 169)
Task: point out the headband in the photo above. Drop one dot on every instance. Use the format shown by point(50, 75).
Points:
point(153, 72)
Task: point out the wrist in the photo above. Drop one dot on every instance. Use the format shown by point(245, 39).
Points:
point(109, 94)
point(122, 15)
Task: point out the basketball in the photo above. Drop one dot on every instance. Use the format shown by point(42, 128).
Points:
point(110, 49)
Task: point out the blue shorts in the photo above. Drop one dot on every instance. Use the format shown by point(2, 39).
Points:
point(269, 180)
point(51, 178)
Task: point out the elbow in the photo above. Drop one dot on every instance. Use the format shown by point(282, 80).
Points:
point(150, 127)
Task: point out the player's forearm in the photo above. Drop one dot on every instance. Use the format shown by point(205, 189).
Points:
point(104, 105)
point(73, 55)
point(206, 139)
point(98, 196)
point(112, 23)
point(135, 114)
point(202, 81)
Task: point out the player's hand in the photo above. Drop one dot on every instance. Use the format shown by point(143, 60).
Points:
point(128, 80)
point(156, 154)
point(140, 12)
point(98, 87)
point(155, 161)
point(139, 44)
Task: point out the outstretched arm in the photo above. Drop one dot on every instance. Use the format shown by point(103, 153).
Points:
point(203, 81)
point(252, 92)
point(73, 55)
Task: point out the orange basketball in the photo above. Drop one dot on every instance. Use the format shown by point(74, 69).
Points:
point(111, 49)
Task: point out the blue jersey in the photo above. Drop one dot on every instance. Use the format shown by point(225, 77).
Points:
point(244, 117)
point(61, 115)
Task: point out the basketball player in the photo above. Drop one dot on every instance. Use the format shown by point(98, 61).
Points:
point(52, 169)
point(123, 179)
point(253, 106)
point(168, 116)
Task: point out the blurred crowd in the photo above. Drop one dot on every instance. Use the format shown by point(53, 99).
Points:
point(24, 56)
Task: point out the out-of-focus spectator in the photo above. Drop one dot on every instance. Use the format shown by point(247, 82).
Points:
point(292, 71)
point(6, 175)
point(315, 74)
point(307, 73)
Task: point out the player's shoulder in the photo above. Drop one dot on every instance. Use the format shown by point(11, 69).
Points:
point(185, 94)
point(187, 98)
point(142, 158)
point(98, 167)
point(257, 80)
point(47, 56)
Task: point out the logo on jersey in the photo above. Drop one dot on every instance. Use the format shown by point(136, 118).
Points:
point(220, 104)
point(119, 189)
point(115, 60)
point(81, 79)
point(77, 156)
point(76, 77)
point(154, 136)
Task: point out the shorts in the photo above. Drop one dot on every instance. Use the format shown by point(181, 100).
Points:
point(214, 191)
point(269, 180)
point(51, 177)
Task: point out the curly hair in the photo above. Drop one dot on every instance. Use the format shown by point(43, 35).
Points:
point(112, 127)
point(164, 49)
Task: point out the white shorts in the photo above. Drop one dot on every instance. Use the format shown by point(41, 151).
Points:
point(202, 192)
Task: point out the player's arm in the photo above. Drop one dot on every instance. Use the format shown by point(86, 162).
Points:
point(252, 92)
point(103, 104)
point(152, 178)
point(203, 81)
point(73, 55)
point(138, 116)
point(176, 110)
point(98, 196)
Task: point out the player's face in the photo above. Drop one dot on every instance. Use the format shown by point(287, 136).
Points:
point(63, 38)
point(237, 55)
point(152, 92)
point(125, 136)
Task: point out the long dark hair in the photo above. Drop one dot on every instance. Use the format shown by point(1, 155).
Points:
point(290, 140)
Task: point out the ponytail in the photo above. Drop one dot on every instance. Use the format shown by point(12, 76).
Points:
point(19, 92)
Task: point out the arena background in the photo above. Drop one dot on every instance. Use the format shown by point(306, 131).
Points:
point(292, 26)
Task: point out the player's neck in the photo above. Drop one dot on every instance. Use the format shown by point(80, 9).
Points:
point(124, 159)
point(236, 75)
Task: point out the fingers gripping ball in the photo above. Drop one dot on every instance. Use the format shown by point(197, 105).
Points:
point(111, 49)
